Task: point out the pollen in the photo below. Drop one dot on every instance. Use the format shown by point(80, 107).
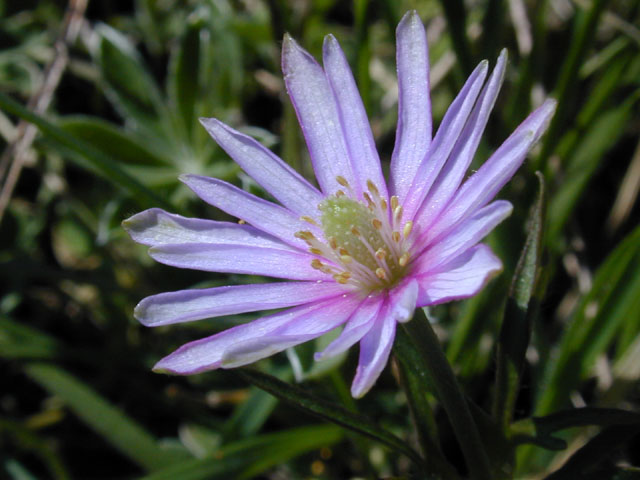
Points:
point(362, 245)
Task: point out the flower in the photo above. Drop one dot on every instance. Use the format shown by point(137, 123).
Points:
point(358, 251)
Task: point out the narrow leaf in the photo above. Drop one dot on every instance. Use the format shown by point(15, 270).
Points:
point(108, 421)
point(102, 164)
point(329, 411)
point(517, 320)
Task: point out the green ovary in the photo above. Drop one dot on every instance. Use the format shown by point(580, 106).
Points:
point(339, 217)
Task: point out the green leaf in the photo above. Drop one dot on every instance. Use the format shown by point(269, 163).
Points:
point(585, 160)
point(250, 457)
point(449, 392)
point(328, 410)
point(108, 421)
point(185, 73)
point(587, 462)
point(609, 303)
point(518, 316)
point(20, 341)
point(113, 141)
point(94, 159)
point(417, 388)
point(127, 83)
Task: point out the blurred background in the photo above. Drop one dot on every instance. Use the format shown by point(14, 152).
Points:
point(116, 88)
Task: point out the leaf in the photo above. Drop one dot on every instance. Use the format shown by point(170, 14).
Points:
point(250, 457)
point(185, 72)
point(108, 421)
point(127, 83)
point(610, 302)
point(518, 315)
point(328, 410)
point(94, 159)
point(586, 462)
point(21, 341)
point(603, 133)
point(113, 141)
point(417, 387)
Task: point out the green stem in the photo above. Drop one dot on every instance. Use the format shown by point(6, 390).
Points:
point(451, 396)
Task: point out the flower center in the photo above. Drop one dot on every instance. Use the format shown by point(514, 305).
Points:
point(366, 245)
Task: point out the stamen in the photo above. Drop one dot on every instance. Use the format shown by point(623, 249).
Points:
point(346, 259)
point(383, 204)
point(372, 188)
point(367, 197)
point(377, 224)
point(333, 243)
point(396, 237)
point(394, 202)
point(404, 259)
point(315, 251)
point(308, 219)
point(355, 231)
point(339, 193)
point(381, 254)
point(241, 222)
point(407, 229)
point(342, 181)
point(380, 273)
point(397, 213)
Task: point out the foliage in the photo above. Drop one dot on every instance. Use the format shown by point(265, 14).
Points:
point(547, 356)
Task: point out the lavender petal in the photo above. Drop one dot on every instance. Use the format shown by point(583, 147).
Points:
point(189, 305)
point(275, 176)
point(413, 134)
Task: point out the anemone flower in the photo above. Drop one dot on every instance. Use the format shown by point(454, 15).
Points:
point(358, 251)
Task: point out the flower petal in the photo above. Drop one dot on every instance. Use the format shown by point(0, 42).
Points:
point(271, 262)
point(312, 324)
point(209, 353)
point(266, 216)
point(464, 236)
point(481, 187)
point(463, 277)
point(188, 305)
point(155, 227)
point(455, 168)
point(353, 117)
point(275, 176)
point(357, 326)
point(318, 115)
point(375, 347)
point(413, 134)
point(445, 139)
point(403, 301)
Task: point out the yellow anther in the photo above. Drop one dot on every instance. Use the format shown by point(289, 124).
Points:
point(339, 193)
point(381, 254)
point(397, 212)
point(394, 202)
point(315, 251)
point(333, 243)
point(377, 224)
point(407, 229)
point(368, 198)
point(381, 274)
point(342, 181)
point(404, 259)
point(346, 258)
point(355, 231)
point(317, 264)
point(343, 251)
point(372, 188)
point(383, 204)
point(241, 222)
point(395, 236)
point(308, 219)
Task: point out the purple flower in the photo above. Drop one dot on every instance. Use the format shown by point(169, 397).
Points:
point(362, 252)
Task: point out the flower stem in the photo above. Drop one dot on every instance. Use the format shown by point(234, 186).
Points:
point(444, 381)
